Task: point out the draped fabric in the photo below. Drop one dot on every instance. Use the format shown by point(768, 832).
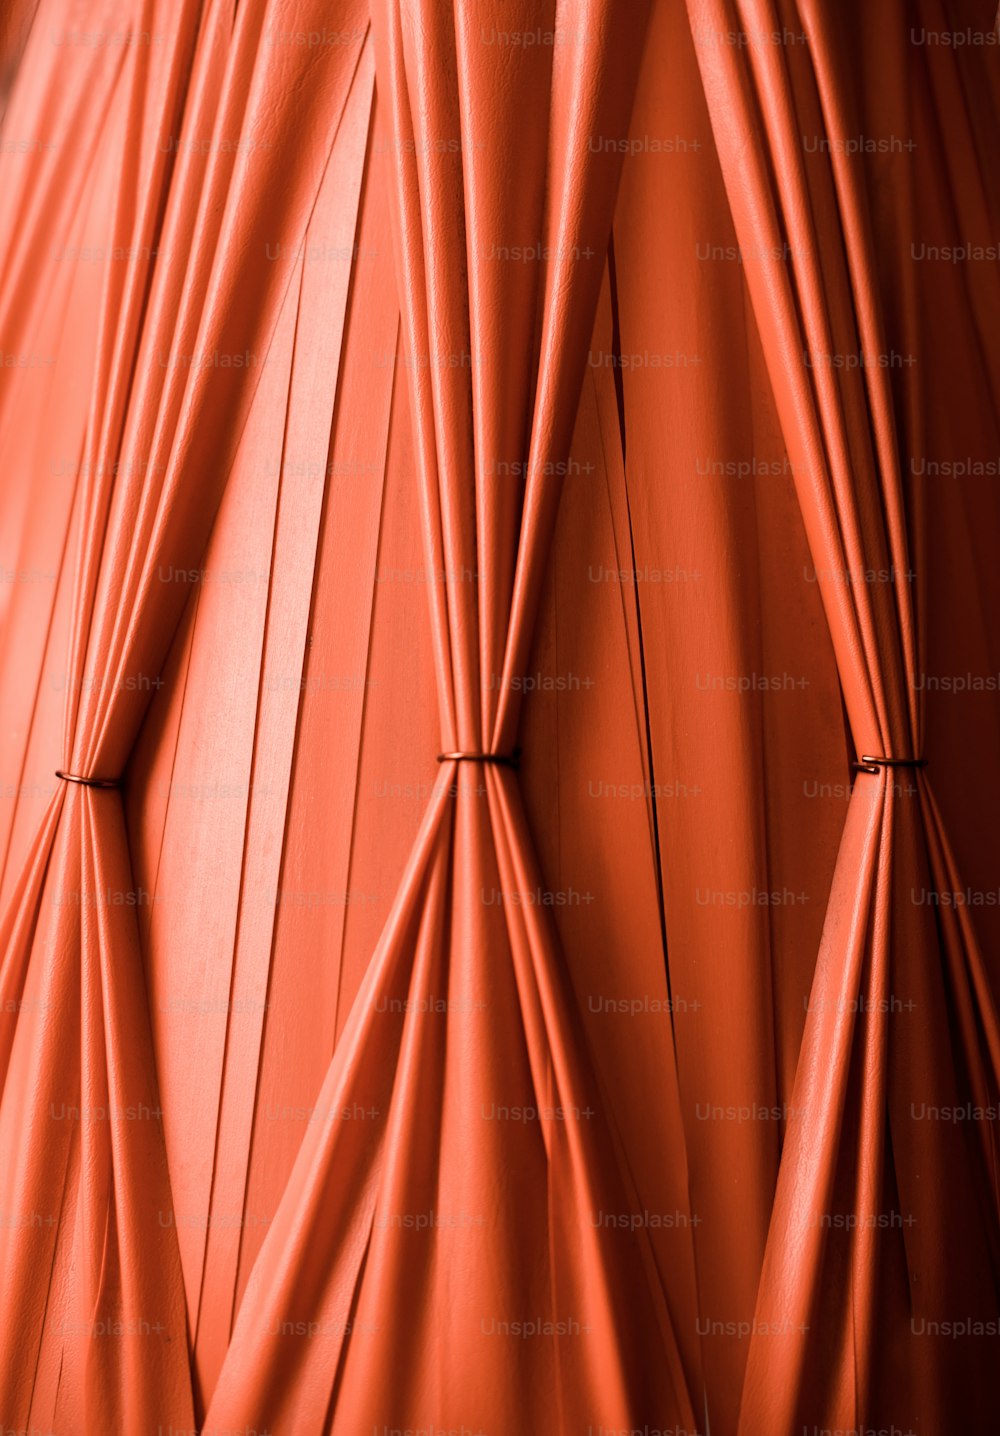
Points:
point(336, 1260)
point(604, 389)
point(100, 1275)
point(862, 1083)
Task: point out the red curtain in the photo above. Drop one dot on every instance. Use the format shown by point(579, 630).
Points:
point(607, 394)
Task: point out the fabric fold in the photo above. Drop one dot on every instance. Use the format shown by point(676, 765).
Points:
point(153, 475)
point(830, 1305)
point(438, 1258)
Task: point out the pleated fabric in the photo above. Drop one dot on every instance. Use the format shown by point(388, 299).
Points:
point(406, 378)
point(87, 1258)
point(522, 1152)
point(840, 1323)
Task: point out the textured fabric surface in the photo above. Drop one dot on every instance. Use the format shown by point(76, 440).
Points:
point(611, 383)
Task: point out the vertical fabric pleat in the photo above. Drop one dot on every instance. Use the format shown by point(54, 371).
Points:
point(111, 1323)
point(866, 1080)
point(464, 1022)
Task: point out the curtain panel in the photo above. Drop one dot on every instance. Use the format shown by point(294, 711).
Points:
point(861, 1081)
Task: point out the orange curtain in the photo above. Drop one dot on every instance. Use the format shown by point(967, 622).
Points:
point(503, 1120)
point(606, 394)
point(864, 1082)
point(88, 1184)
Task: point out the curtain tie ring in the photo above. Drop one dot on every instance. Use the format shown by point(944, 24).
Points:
point(499, 760)
point(87, 782)
point(870, 764)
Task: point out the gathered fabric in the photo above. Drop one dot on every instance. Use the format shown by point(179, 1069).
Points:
point(498, 708)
